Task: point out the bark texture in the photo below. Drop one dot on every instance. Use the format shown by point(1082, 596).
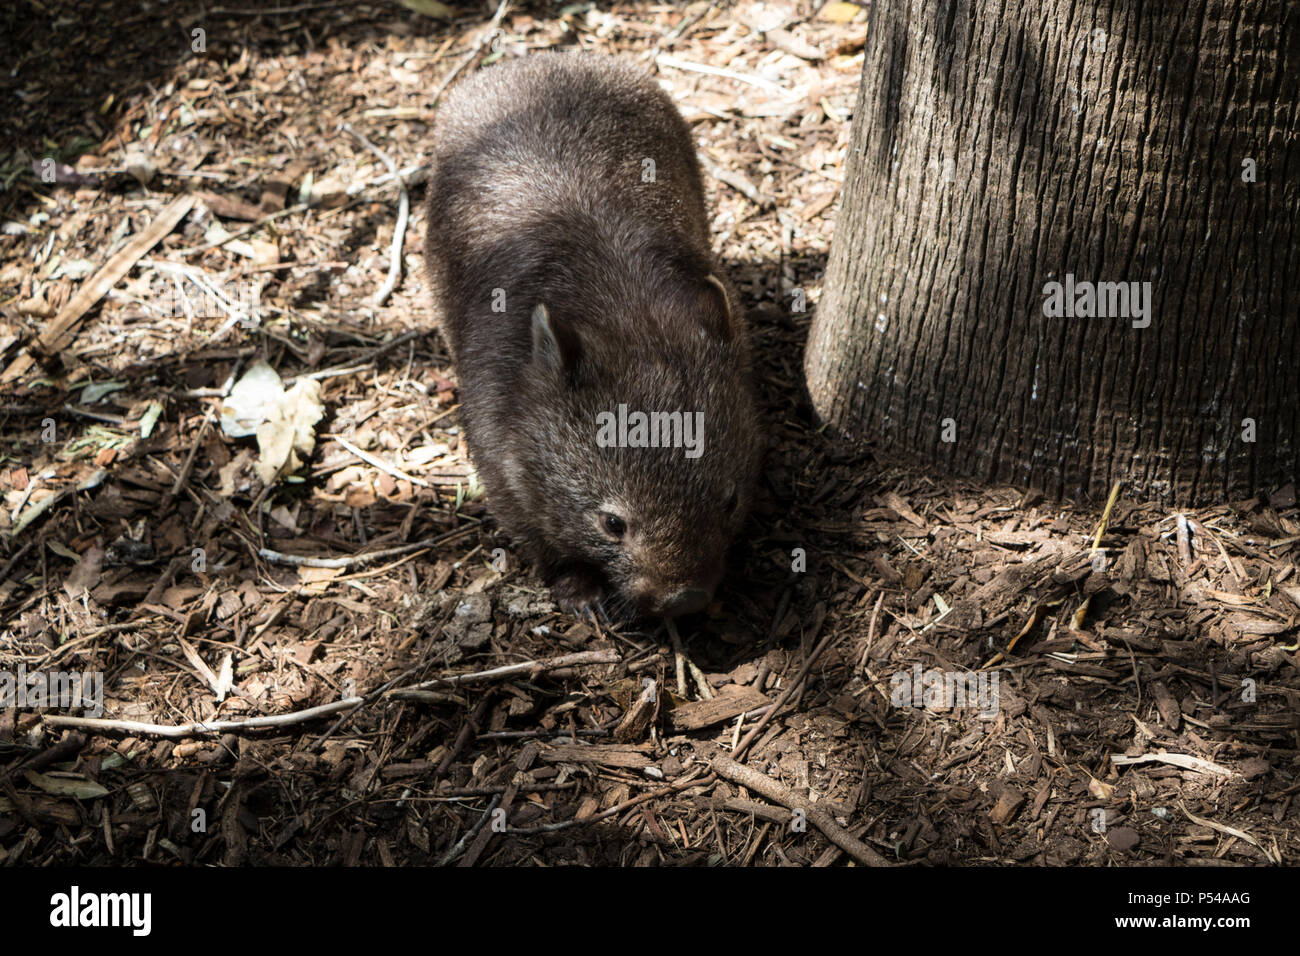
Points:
point(1001, 146)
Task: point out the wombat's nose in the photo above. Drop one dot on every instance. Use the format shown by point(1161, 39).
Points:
point(686, 601)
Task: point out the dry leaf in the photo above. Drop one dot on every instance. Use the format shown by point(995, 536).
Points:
point(78, 787)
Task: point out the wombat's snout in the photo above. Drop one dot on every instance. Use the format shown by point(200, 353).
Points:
point(674, 601)
point(686, 601)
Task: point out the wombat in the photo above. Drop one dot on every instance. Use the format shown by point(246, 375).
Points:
point(603, 361)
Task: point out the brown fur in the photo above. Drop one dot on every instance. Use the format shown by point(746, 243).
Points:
point(537, 193)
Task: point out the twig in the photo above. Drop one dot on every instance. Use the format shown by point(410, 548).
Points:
point(738, 182)
point(399, 230)
point(358, 559)
point(677, 32)
point(758, 81)
point(479, 43)
point(680, 659)
point(535, 734)
point(394, 343)
point(100, 416)
point(164, 580)
point(251, 228)
point(871, 632)
point(407, 174)
point(368, 698)
point(370, 358)
point(199, 727)
point(786, 694)
point(762, 784)
point(278, 11)
point(370, 459)
point(1233, 831)
point(1201, 529)
point(395, 253)
point(604, 656)
point(45, 504)
point(467, 730)
point(326, 373)
point(679, 656)
point(702, 682)
point(684, 663)
point(425, 696)
point(188, 466)
point(1186, 761)
point(471, 833)
point(452, 793)
point(68, 747)
point(1079, 615)
point(616, 809)
point(10, 564)
point(235, 311)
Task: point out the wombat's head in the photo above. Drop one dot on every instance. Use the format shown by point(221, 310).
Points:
point(636, 455)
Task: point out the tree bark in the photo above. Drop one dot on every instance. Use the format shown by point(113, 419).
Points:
point(999, 147)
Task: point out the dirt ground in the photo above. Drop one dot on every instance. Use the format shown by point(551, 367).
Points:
point(1144, 686)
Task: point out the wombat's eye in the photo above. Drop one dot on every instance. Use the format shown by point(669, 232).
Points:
point(614, 526)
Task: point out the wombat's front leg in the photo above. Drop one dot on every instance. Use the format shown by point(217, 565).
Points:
point(578, 590)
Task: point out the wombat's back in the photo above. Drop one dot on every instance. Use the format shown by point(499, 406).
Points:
point(557, 157)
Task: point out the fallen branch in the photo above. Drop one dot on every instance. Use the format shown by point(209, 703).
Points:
point(762, 784)
point(200, 728)
point(604, 656)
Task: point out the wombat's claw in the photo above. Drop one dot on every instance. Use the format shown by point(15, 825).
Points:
point(578, 594)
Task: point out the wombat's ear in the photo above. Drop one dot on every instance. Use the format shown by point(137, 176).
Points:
point(554, 344)
point(716, 308)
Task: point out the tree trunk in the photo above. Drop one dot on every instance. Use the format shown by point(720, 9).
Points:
point(1009, 155)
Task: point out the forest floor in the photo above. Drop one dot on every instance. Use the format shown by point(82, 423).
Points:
point(1137, 695)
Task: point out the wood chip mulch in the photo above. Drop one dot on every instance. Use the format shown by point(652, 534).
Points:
point(1147, 682)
